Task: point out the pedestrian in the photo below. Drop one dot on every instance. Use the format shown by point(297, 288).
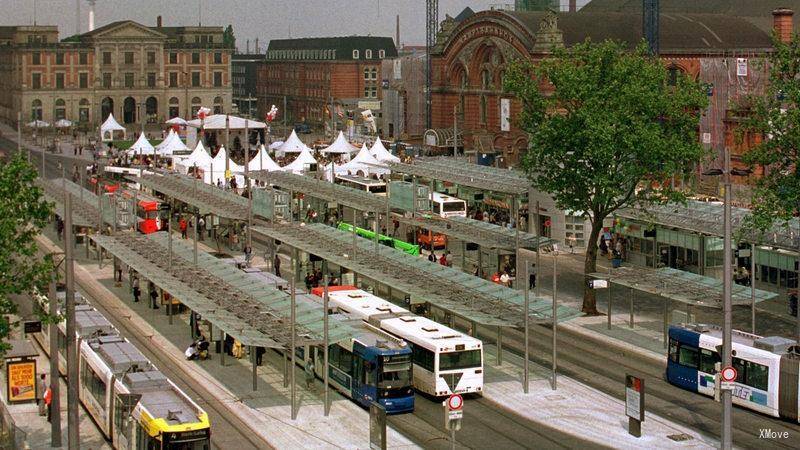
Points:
point(80, 150)
point(234, 240)
point(118, 276)
point(277, 264)
point(532, 278)
point(432, 257)
point(183, 227)
point(219, 183)
point(60, 227)
point(603, 247)
point(153, 296)
point(48, 401)
point(309, 369)
point(259, 355)
point(443, 259)
point(40, 395)
point(505, 279)
point(201, 226)
point(136, 291)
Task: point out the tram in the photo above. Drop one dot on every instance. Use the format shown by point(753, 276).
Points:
point(371, 366)
point(404, 246)
point(767, 368)
point(445, 361)
point(133, 403)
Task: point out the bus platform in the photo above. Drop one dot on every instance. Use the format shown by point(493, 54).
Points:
point(266, 410)
point(582, 410)
point(23, 424)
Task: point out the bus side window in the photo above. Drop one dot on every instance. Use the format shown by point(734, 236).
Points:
point(708, 359)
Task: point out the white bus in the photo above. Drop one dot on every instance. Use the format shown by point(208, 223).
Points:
point(362, 183)
point(447, 206)
point(445, 361)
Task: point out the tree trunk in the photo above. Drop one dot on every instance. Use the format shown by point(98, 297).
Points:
point(590, 266)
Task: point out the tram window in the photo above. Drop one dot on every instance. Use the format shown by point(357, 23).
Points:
point(739, 365)
point(423, 358)
point(687, 356)
point(342, 359)
point(757, 375)
point(673, 350)
point(708, 359)
point(460, 360)
point(94, 384)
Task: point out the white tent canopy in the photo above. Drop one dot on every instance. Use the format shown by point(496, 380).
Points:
point(262, 161)
point(199, 157)
point(381, 154)
point(141, 147)
point(176, 121)
point(63, 123)
point(364, 164)
point(293, 145)
point(217, 122)
point(300, 164)
point(275, 145)
point(108, 128)
point(171, 144)
point(38, 124)
point(340, 146)
point(219, 161)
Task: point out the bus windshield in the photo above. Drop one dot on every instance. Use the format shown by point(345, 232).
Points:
point(453, 207)
point(459, 360)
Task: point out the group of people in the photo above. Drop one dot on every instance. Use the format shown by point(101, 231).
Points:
point(613, 246)
point(314, 278)
point(444, 259)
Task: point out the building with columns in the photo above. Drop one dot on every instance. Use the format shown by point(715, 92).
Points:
point(140, 73)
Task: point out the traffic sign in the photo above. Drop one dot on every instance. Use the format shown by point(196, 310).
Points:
point(728, 374)
point(456, 401)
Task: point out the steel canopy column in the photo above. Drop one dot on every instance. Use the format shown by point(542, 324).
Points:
point(55, 402)
point(169, 261)
point(609, 298)
point(499, 345)
point(326, 337)
point(555, 320)
point(224, 337)
point(255, 367)
point(630, 295)
point(293, 331)
point(73, 432)
point(414, 208)
point(753, 288)
point(525, 368)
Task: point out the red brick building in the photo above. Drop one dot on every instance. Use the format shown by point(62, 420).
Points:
point(309, 74)
point(472, 55)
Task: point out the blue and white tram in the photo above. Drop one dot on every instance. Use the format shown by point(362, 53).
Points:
point(371, 366)
point(767, 368)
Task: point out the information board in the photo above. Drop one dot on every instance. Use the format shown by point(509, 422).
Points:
point(21, 376)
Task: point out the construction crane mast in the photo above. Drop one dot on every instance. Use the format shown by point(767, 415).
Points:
point(431, 24)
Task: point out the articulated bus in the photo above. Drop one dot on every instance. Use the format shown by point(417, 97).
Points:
point(411, 249)
point(445, 361)
point(362, 183)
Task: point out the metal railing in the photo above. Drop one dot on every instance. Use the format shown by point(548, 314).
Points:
point(11, 436)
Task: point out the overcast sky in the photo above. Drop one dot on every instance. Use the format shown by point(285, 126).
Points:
point(263, 19)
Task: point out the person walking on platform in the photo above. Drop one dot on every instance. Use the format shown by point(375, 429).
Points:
point(48, 401)
point(277, 265)
point(309, 372)
point(201, 226)
point(153, 296)
point(40, 395)
point(136, 291)
point(183, 226)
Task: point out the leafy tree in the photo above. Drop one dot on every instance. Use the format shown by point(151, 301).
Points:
point(775, 115)
point(23, 213)
point(605, 127)
point(228, 39)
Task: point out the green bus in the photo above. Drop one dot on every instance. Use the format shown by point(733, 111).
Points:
point(411, 249)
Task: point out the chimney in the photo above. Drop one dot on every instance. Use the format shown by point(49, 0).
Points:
point(573, 5)
point(257, 49)
point(782, 24)
point(158, 21)
point(248, 47)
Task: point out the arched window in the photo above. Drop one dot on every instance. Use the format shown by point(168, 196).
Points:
point(61, 109)
point(195, 105)
point(368, 54)
point(218, 105)
point(674, 73)
point(486, 79)
point(381, 54)
point(374, 73)
point(174, 108)
point(83, 110)
point(483, 109)
point(151, 109)
point(355, 54)
point(36, 110)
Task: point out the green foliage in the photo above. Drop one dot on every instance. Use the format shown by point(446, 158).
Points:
point(606, 130)
point(774, 115)
point(23, 213)
point(228, 38)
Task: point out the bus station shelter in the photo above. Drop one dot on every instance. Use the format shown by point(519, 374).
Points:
point(252, 311)
point(672, 285)
point(84, 212)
